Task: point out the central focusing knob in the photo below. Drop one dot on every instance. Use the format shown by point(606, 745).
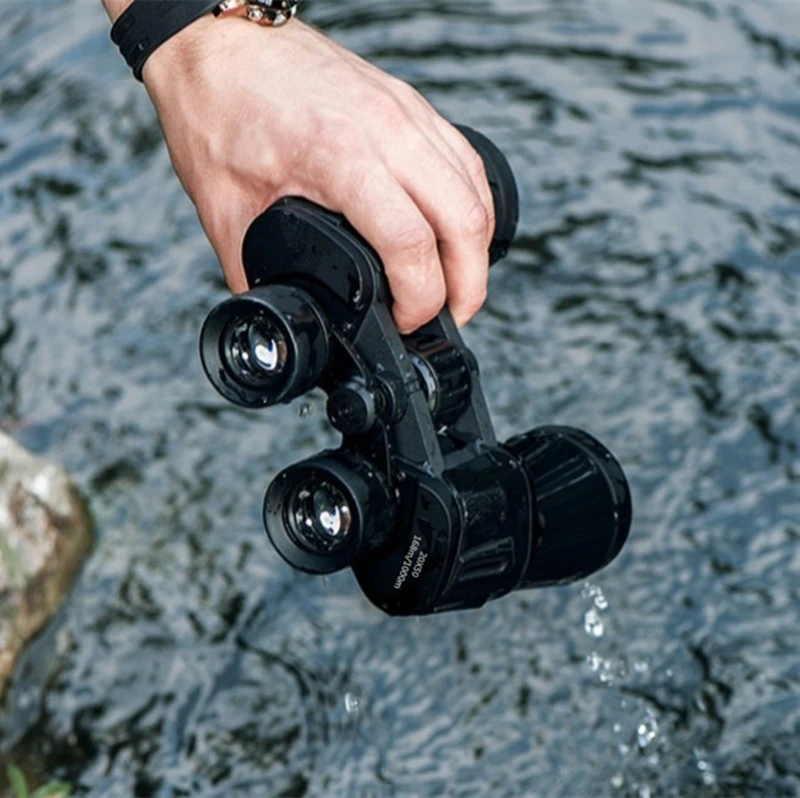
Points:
point(443, 374)
point(352, 408)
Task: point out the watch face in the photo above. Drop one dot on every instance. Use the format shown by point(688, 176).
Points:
point(274, 5)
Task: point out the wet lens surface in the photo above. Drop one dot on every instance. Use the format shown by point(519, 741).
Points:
point(321, 515)
point(264, 348)
point(257, 351)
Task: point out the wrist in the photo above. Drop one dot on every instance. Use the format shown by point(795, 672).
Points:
point(114, 8)
point(179, 52)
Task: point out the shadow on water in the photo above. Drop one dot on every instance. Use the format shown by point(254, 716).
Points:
point(652, 297)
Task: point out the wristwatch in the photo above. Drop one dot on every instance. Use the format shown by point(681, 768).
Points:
point(265, 12)
point(146, 24)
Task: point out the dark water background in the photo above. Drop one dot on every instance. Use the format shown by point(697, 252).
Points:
point(652, 298)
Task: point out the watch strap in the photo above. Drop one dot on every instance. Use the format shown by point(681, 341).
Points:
point(146, 24)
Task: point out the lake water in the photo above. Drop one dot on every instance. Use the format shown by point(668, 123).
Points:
point(653, 298)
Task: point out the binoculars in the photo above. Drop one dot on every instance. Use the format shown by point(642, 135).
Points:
point(420, 499)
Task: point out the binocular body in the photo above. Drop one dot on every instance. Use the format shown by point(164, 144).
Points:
point(420, 499)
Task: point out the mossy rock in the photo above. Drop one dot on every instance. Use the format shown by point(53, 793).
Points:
point(45, 535)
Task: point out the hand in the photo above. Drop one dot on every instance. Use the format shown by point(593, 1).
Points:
point(254, 114)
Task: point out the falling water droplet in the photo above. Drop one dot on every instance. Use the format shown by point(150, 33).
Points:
point(595, 593)
point(647, 730)
point(352, 703)
point(304, 410)
point(617, 780)
point(592, 623)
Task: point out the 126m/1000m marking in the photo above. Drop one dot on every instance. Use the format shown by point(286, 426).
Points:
point(409, 566)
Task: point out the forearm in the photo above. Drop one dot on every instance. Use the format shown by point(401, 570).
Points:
point(115, 7)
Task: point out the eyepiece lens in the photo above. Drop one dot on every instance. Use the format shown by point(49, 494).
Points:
point(321, 516)
point(267, 346)
point(258, 350)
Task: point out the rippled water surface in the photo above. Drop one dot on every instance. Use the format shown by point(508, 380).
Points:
point(652, 298)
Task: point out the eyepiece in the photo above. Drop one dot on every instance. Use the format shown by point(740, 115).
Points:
point(582, 499)
point(267, 346)
point(504, 191)
point(321, 513)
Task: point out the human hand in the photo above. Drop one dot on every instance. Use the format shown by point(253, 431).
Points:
point(253, 114)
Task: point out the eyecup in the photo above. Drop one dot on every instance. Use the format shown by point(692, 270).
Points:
point(299, 320)
point(368, 500)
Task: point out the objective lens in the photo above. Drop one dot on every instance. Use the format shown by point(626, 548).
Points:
point(321, 516)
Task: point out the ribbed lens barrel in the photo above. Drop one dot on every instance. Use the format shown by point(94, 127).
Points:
point(504, 191)
point(267, 346)
point(582, 500)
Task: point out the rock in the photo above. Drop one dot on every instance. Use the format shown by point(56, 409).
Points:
point(45, 533)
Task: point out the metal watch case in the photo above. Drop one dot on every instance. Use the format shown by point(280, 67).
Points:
point(264, 12)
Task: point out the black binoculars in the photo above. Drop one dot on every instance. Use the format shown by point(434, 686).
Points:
point(420, 499)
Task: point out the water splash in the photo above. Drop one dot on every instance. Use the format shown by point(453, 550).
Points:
point(707, 774)
point(353, 704)
point(593, 623)
point(595, 593)
point(647, 729)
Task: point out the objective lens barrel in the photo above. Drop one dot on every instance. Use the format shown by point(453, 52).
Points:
point(582, 499)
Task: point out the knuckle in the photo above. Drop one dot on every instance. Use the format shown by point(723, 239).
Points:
point(335, 134)
point(475, 221)
point(386, 106)
point(415, 241)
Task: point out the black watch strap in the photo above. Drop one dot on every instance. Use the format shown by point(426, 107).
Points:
point(146, 24)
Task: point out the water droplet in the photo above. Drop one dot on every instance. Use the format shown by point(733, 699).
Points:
point(592, 623)
point(623, 749)
point(352, 703)
point(617, 728)
point(617, 780)
point(594, 660)
point(595, 593)
point(647, 730)
point(304, 410)
point(644, 791)
point(641, 666)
